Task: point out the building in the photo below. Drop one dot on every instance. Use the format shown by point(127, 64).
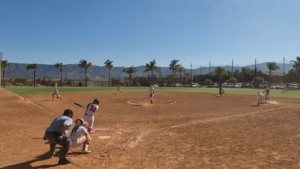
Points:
point(91, 82)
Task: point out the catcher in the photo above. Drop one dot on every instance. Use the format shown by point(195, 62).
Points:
point(80, 136)
point(56, 94)
point(151, 94)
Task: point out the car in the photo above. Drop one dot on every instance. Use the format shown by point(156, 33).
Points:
point(273, 86)
point(193, 85)
point(214, 85)
point(177, 84)
point(294, 86)
point(227, 85)
point(237, 85)
point(246, 85)
point(262, 86)
point(279, 86)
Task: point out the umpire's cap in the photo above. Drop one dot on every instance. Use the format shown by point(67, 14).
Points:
point(68, 112)
point(96, 101)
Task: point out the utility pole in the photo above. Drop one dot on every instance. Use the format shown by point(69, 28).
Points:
point(200, 70)
point(255, 73)
point(283, 73)
point(209, 68)
point(191, 73)
point(232, 69)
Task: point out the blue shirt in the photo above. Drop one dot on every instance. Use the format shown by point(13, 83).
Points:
point(58, 122)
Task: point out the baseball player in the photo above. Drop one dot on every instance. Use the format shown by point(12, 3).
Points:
point(261, 99)
point(80, 136)
point(56, 94)
point(151, 94)
point(267, 91)
point(119, 89)
point(223, 91)
point(88, 116)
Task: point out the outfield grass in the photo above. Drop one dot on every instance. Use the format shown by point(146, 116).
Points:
point(48, 90)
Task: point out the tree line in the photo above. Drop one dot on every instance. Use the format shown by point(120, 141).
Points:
point(179, 74)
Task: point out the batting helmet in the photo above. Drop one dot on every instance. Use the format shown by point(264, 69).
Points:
point(96, 101)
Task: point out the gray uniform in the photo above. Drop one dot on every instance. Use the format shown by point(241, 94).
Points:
point(54, 136)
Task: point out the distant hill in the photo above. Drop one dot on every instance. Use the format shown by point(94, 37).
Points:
point(73, 71)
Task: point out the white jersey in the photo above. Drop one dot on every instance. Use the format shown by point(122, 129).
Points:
point(261, 98)
point(55, 92)
point(151, 91)
point(78, 133)
point(119, 88)
point(91, 109)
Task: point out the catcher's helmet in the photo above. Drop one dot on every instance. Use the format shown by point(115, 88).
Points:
point(96, 101)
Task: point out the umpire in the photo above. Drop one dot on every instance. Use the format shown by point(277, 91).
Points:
point(56, 134)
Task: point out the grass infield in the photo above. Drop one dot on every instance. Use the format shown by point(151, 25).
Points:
point(48, 90)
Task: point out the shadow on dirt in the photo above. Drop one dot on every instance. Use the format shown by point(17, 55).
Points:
point(26, 165)
point(75, 153)
point(46, 100)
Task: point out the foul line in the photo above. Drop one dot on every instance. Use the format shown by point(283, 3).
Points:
point(29, 102)
point(13, 94)
point(227, 117)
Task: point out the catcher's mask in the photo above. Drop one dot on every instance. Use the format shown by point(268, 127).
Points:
point(78, 122)
point(96, 101)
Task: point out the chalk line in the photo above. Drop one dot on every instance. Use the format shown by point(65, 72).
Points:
point(29, 102)
point(227, 117)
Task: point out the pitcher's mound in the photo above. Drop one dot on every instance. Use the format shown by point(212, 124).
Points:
point(146, 102)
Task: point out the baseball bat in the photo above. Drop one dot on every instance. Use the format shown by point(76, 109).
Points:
point(80, 105)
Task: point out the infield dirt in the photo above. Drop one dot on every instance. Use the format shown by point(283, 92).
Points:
point(181, 130)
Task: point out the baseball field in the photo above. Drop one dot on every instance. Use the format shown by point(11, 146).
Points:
point(185, 128)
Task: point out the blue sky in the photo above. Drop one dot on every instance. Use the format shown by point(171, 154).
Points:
point(134, 32)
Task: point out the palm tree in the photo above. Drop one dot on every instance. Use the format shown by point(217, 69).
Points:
point(4, 64)
point(220, 73)
point(272, 66)
point(83, 64)
point(60, 66)
point(180, 69)
point(152, 67)
point(109, 66)
point(130, 70)
point(34, 67)
point(173, 66)
point(296, 66)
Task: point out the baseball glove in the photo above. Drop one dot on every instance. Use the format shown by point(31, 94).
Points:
point(150, 95)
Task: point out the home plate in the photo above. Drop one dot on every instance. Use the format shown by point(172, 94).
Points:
point(104, 137)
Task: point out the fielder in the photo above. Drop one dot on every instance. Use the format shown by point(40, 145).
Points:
point(261, 99)
point(88, 116)
point(56, 94)
point(223, 91)
point(119, 89)
point(151, 94)
point(80, 136)
point(267, 91)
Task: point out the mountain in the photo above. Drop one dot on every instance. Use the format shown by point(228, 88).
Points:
point(73, 71)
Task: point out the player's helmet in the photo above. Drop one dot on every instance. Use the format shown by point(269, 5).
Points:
point(79, 122)
point(96, 101)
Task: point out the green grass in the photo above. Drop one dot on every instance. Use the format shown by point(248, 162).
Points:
point(46, 90)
